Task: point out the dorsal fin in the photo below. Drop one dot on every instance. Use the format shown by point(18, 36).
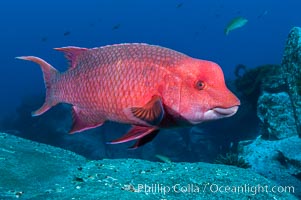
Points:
point(71, 53)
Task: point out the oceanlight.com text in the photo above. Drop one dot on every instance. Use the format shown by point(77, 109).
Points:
point(209, 188)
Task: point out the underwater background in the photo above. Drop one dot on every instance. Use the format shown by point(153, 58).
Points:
point(251, 56)
point(195, 28)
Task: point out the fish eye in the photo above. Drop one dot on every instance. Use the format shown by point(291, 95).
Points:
point(200, 85)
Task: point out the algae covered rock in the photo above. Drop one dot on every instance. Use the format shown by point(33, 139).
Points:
point(275, 112)
point(291, 66)
point(277, 160)
point(279, 105)
point(275, 154)
point(30, 170)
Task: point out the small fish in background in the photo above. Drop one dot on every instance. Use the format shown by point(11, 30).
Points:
point(44, 39)
point(235, 23)
point(115, 27)
point(163, 158)
point(238, 12)
point(217, 15)
point(67, 33)
point(264, 13)
point(179, 5)
point(197, 130)
point(231, 145)
point(200, 30)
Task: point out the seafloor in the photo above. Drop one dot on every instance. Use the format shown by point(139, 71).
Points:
point(31, 170)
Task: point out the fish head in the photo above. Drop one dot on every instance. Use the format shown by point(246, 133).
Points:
point(204, 95)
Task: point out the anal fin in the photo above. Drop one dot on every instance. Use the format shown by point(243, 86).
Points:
point(84, 120)
point(146, 139)
point(46, 106)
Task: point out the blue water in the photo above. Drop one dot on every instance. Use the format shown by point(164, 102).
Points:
point(193, 27)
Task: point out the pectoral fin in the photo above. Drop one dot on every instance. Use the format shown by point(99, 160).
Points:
point(152, 113)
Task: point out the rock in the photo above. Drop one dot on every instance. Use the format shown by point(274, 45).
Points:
point(276, 160)
point(279, 105)
point(291, 67)
point(275, 112)
point(276, 153)
point(30, 170)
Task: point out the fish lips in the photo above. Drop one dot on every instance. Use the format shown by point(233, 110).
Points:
point(213, 114)
point(226, 112)
point(219, 113)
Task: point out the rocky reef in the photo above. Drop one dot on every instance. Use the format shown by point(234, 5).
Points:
point(31, 170)
point(276, 152)
point(279, 106)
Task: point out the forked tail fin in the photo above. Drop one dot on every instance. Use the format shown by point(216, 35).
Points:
point(49, 73)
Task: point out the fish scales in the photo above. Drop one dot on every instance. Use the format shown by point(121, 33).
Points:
point(108, 79)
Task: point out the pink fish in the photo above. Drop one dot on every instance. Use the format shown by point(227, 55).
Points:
point(147, 86)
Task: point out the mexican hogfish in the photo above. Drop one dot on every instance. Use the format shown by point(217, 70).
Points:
point(147, 86)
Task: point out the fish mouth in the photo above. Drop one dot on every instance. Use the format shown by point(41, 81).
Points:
point(226, 112)
point(214, 114)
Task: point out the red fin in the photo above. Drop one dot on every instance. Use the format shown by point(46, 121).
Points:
point(152, 112)
point(41, 110)
point(135, 133)
point(49, 73)
point(71, 53)
point(145, 139)
point(83, 120)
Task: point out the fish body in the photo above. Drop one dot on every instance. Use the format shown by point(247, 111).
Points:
point(264, 13)
point(67, 33)
point(115, 27)
point(147, 86)
point(235, 23)
point(163, 158)
point(179, 5)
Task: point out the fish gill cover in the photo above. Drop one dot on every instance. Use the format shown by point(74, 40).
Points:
point(250, 57)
